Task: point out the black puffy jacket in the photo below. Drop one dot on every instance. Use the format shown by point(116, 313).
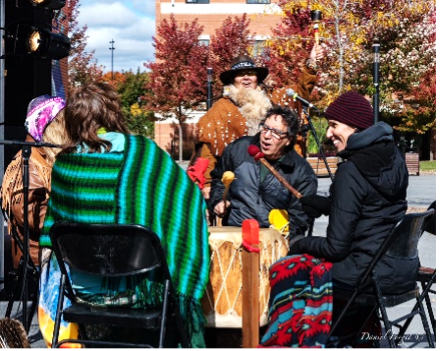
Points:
point(368, 196)
point(251, 198)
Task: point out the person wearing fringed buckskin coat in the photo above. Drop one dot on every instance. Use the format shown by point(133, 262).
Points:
point(244, 102)
point(44, 123)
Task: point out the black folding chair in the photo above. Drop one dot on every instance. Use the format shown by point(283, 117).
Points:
point(114, 250)
point(426, 276)
point(401, 242)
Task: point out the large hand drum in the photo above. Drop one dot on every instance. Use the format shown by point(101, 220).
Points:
point(222, 303)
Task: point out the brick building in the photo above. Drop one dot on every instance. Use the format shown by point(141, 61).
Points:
point(211, 14)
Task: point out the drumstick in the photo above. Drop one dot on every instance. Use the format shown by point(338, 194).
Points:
point(227, 178)
point(259, 156)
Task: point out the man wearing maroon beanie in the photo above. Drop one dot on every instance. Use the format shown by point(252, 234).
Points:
point(367, 197)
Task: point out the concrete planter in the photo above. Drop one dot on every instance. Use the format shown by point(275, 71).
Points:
point(319, 167)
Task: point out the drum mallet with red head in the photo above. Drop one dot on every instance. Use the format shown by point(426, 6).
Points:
point(258, 155)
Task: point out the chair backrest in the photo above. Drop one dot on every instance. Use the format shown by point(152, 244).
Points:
point(107, 249)
point(407, 234)
point(430, 224)
point(401, 241)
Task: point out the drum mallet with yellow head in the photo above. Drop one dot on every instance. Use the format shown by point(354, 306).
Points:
point(227, 178)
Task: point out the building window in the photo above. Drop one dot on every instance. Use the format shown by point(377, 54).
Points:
point(258, 47)
point(204, 42)
point(197, 1)
point(257, 1)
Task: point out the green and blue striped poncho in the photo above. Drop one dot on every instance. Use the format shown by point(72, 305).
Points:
point(140, 185)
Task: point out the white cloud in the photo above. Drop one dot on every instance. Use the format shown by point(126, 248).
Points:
point(130, 23)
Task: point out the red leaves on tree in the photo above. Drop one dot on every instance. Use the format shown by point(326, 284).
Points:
point(180, 59)
point(228, 42)
point(285, 56)
point(178, 78)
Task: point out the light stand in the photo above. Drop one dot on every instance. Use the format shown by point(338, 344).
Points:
point(310, 126)
point(22, 274)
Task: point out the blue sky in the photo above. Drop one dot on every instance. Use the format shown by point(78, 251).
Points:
point(130, 23)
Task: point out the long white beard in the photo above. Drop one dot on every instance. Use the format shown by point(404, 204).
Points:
point(253, 105)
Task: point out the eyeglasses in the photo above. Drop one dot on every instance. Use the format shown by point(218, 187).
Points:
point(248, 73)
point(277, 134)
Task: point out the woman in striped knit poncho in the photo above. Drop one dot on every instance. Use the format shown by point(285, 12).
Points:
point(106, 175)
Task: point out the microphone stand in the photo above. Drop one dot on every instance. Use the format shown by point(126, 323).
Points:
point(22, 274)
point(312, 128)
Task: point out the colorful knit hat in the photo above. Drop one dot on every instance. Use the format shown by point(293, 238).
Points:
point(41, 111)
point(352, 109)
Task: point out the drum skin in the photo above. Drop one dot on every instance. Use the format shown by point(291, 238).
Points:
point(222, 303)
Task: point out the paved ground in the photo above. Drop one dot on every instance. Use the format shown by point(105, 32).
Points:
point(421, 193)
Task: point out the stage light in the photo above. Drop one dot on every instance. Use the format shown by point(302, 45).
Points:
point(49, 4)
point(44, 44)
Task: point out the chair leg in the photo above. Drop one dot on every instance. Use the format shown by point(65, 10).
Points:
point(383, 312)
point(15, 292)
point(59, 312)
point(425, 322)
point(423, 296)
point(426, 291)
point(33, 307)
point(163, 323)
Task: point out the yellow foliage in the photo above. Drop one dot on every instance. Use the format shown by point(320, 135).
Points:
point(135, 109)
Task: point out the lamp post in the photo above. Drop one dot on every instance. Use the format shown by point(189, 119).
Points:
point(376, 61)
point(209, 100)
point(112, 49)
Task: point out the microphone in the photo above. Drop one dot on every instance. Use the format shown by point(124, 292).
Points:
point(290, 92)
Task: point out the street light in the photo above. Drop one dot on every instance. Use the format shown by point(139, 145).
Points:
point(47, 45)
point(48, 4)
point(30, 34)
point(112, 49)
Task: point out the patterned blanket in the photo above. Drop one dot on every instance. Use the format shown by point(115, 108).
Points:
point(300, 304)
point(141, 185)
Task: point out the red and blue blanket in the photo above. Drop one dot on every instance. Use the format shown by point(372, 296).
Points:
point(301, 302)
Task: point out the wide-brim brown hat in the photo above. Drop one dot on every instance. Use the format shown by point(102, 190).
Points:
point(241, 63)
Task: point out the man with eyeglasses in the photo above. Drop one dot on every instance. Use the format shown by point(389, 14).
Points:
point(237, 112)
point(255, 190)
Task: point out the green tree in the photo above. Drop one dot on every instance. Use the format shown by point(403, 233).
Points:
point(131, 89)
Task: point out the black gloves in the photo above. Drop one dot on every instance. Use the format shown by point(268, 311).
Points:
point(315, 205)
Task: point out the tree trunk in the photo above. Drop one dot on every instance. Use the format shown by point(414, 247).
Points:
point(179, 125)
point(180, 142)
point(341, 51)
